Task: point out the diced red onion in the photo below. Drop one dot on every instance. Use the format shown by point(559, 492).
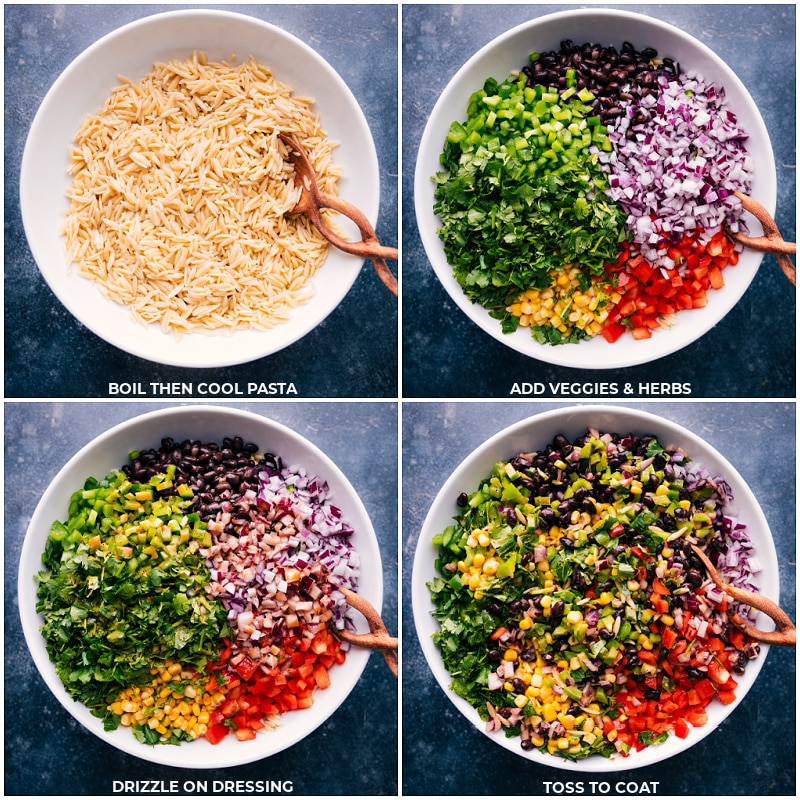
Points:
point(681, 168)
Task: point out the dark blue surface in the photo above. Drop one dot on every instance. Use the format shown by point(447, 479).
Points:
point(353, 353)
point(48, 753)
point(751, 353)
point(752, 753)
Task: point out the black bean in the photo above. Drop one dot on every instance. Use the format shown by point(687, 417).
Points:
point(547, 516)
point(739, 663)
point(495, 607)
point(694, 673)
point(694, 578)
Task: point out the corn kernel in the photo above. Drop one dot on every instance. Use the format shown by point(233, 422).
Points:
point(574, 617)
point(525, 624)
point(549, 712)
point(567, 720)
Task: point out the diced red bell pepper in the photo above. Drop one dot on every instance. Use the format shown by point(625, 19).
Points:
point(216, 732)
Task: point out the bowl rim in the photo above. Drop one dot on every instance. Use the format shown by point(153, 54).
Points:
point(58, 491)
point(208, 349)
point(595, 354)
point(554, 420)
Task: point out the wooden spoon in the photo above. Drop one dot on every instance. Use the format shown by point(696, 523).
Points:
point(313, 200)
point(784, 634)
point(771, 241)
point(378, 637)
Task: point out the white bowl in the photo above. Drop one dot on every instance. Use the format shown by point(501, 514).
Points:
point(109, 451)
point(131, 51)
point(509, 52)
point(533, 434)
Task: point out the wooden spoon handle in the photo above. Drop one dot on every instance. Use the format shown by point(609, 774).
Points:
point(369, 246)
point(787, 266)
point(784, 634)
point(378, 637)
point(771, 241)
point(385, 274)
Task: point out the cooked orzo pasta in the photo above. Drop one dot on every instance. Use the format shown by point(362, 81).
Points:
point(180, 193)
